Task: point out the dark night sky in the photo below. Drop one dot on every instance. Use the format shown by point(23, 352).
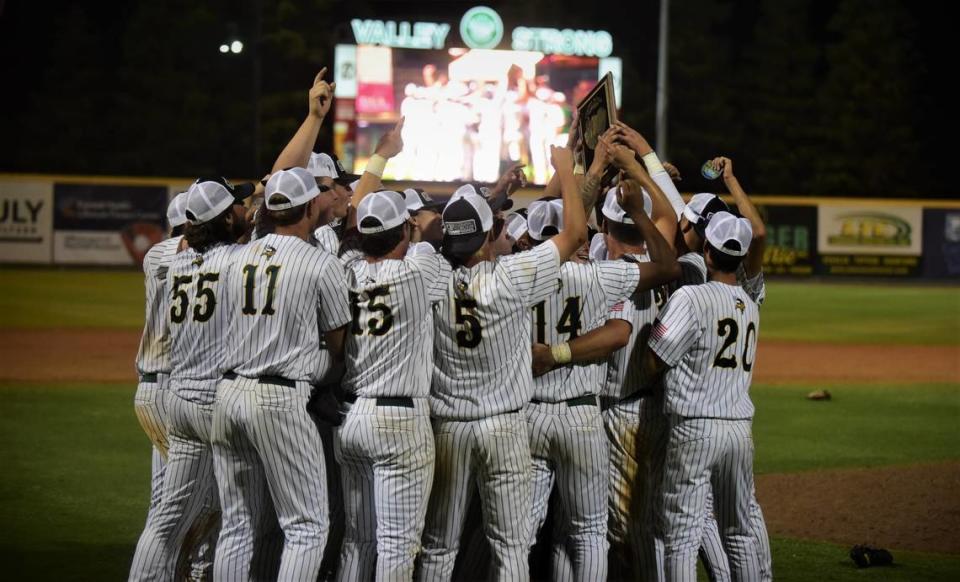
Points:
point(95, 87)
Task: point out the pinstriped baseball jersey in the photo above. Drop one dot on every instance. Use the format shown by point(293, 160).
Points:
point(153, 355)
point(198, 316)
point(640, 309)
point(587, 292)
point(389, 349)
point(327, 239)
point(286, 292)
point(482, 355)
point(754, 286)
point(707, 334)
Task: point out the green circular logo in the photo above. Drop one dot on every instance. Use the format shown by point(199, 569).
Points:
point(481, 28)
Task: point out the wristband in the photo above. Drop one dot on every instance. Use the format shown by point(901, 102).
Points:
point(653, 164)
point(561, 353)
point(376, 165)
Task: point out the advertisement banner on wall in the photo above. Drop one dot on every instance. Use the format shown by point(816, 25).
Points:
point(941, 242)
point(107, 225)
point(791, 240)
point(26, 222)
point(883, 241)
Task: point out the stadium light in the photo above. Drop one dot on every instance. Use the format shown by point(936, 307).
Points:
point(236, 47)
point(224, 48)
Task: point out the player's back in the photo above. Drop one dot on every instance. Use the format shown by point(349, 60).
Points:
point(286, 293)
point(199, 315)
point(389, 349)
point(482, 355)
point(153, 355)
point(711, 350)
point(587, 292)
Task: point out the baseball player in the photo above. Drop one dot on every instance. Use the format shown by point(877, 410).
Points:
point(385, 445)
point(567, 439)
point(153, 355)
point(284, 335)
point(482, 379)
point(196, 321)
point(704, 344)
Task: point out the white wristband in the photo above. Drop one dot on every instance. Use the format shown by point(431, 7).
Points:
point(561, 353)
point(376, 165)
point(652, 162)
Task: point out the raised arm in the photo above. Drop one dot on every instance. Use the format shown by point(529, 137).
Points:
point(574, 232)
point(595, 345)
point(297, 152)
point(663, 212)
point(390, 145)
point(634, 140)
point(663, 266)
point(754, 263)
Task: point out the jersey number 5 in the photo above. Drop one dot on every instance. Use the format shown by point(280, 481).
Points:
point(250, 282)
point(728, 328)
point(471, 336)
point(376, 326)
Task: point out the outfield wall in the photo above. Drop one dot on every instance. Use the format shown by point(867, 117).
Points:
point(84, 220)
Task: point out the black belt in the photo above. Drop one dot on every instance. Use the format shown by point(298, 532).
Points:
point(148, 378)
point(278, 380)
point(589, 400)
point(608, 401)
point(402, 401)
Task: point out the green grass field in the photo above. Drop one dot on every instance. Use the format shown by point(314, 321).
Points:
point(75, 464)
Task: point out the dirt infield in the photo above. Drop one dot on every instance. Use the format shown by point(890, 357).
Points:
point(91, 355)
point(912, 507)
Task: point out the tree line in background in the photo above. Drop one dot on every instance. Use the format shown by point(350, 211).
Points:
point(818, 97)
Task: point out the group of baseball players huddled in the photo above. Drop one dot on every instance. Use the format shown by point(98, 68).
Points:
point(342, 381)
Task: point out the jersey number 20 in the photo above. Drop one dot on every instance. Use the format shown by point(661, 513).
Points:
point(728, 328)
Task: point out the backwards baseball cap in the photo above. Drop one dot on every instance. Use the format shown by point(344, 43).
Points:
point(386, 207)
point(614, 212)
point(326, 166)
point(466, 220)
point(296, 185)
point(497, 201)
point(516, 225)
point(177, 210)
point(416, 200)
point(701, 209)
point(545, 218)
point(728, 234)
point(207, 198)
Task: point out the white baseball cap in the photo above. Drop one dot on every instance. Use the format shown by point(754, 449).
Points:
point(612, 210)
point(386, 207)
point(322, 166)
point(598, 247)
point(207, 198)
point(729, 235)
point(177, 210)
point(701, 209)
point(466, 220)
point(296, 184)
point(543, 215)
point(516, 225)
point(417, 200)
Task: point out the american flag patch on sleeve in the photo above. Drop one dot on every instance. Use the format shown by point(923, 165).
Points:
point(658, 331)
point(617, 307)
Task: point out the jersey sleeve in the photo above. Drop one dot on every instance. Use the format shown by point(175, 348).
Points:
point(754, 286)
point(535, 274)
point(624, 309)
point(675, 330)
point(436, 272)
point(618, 279)
point(333, 305)
point(327, 239)
point(693, 269)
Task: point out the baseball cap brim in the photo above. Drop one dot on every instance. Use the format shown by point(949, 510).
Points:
point(244, 191)
point(433, 206)
point(714, 206)
point(346, 179)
